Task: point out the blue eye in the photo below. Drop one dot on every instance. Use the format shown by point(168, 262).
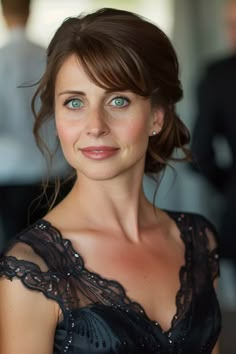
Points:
point(119, 102)
point(74, 103)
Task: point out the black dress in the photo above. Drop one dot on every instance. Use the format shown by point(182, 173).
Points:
point(97, 314)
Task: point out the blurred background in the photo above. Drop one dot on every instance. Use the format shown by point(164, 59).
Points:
point(198, 30)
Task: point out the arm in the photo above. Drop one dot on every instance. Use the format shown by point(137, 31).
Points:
point(214, 267)
point(27, 319)
point(216, 349)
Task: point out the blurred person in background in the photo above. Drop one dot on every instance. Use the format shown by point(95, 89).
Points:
point(22, 62)
point(217, 119)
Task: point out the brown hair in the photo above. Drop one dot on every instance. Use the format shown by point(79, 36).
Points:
point(122, 51)
point(16, 7)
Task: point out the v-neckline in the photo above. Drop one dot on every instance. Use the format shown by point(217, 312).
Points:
point(127, 300)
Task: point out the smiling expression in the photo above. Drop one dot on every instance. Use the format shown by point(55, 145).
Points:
point(102, 133)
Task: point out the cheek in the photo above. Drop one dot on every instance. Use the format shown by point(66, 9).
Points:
point(68, 137)
point(64, 133)
point(136, 132)
point(67, 134)
point(64, 127)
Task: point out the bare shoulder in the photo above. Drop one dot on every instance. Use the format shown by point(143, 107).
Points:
point(24, 252)
point(169, 225)
point(27, 319)
point(60, 216)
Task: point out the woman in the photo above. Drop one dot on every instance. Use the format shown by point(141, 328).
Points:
point(105, 271)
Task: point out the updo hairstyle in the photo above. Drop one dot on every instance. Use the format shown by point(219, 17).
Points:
point(120, 50)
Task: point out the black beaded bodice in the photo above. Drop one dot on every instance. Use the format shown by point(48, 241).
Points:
point(99, 317)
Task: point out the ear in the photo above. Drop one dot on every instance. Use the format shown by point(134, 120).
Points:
point(157, 120)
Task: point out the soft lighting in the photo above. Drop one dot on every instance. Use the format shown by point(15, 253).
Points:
point(46, 16)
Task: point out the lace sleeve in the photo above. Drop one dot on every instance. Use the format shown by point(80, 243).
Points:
point(21, 262)
point(212, 248)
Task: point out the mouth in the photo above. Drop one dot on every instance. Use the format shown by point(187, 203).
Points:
point(99, 152)
point(98, 148)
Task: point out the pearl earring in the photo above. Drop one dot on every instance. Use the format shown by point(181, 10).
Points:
point(154, 132)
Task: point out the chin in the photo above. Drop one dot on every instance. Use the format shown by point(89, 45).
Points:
point(108, 171)
point(97, 174)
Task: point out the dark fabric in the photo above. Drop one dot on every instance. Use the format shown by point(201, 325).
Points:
point(99, 317)
point(217, 118)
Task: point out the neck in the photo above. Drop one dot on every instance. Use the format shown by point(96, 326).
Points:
point(15, 22)
point(116, 204)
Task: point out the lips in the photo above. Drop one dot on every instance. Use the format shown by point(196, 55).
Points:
point(99, 152)
point(99, 148)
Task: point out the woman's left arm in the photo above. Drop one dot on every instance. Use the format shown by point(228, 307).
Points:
point(216, 349)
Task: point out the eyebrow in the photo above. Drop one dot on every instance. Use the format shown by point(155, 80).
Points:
point(81, 93)
point(72, 92)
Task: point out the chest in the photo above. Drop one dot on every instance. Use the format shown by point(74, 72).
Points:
point(149, 275)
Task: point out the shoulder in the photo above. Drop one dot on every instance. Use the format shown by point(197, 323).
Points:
point(198, 227)
point(200, 221)
point(191, 218)
point(40, 244)
point(17, 303)
point(222, 62)
point(36, 258)
point(25, 49)
point(26, 280)
point(200, 224)
point(220, 67)
point(201, 239)
point(34, 47)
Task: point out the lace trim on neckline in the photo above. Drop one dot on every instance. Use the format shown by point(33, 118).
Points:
point(112, 289)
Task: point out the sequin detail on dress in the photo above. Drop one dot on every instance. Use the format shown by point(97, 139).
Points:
point(97, 314)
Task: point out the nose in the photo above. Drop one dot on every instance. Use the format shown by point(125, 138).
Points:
point(96, 125)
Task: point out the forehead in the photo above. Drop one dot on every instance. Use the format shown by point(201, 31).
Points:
point(73, 77)
point(71, 70)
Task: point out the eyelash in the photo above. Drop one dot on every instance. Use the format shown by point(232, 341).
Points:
point(123, 98)
point(70, 100)
point(115, 98)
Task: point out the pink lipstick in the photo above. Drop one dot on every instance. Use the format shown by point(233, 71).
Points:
point(99, 152)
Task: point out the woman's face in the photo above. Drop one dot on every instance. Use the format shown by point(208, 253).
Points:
point(103, 134)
